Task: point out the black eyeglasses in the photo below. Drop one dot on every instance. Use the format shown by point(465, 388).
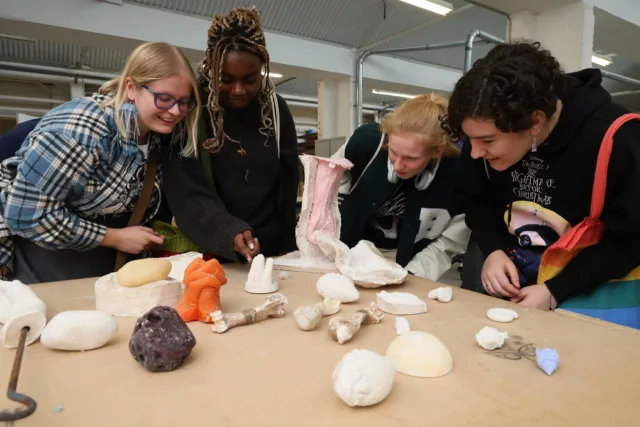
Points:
point(164, 101)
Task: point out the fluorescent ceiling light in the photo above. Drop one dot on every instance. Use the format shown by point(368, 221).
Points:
point(273, 75)
point(600, 60)
point(12, 37)
point(396, 94)
point(436, 6)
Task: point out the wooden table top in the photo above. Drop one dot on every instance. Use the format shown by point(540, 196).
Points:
point(273, 374)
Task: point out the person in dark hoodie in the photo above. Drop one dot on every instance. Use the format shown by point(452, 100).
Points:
point(400, 193)
point(532, 135)
point(239, 198)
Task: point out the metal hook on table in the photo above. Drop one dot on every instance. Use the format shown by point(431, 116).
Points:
point(30, 404)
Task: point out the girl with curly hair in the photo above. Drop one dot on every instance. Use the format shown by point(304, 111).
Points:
point(532, 136)
point(239, 198)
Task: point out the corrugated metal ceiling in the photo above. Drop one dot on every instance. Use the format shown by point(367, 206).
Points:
point(359, 23)
point(351, 23)
point(61, 54)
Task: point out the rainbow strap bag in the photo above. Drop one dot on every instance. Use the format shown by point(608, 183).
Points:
point(617, 301)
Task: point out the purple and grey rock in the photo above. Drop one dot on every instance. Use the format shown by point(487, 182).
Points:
point(161, 341)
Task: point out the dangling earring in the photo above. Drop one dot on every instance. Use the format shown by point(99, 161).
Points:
point(128, 111)
point(534, 146)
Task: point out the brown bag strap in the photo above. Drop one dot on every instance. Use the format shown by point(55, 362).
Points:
point(143, 201)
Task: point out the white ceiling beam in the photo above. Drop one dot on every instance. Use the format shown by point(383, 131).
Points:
point(98, 18)
point(628, 10)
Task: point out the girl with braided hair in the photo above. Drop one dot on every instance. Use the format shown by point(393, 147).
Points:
point(238, 199)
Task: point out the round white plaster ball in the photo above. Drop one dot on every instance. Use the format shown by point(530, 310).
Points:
point(363, 378)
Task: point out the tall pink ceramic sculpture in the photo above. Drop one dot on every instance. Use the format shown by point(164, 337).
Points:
point(319, 212)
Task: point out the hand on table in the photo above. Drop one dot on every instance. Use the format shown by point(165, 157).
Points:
point(245, 244)
point(500, 276)
point(536, 296)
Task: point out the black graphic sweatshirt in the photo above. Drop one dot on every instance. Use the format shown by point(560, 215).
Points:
point(526, 208)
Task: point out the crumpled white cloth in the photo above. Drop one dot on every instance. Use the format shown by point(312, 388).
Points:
point(364, 263)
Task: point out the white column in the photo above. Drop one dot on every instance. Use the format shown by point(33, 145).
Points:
point(76, 90)
point(566, 31)
point(334, 108)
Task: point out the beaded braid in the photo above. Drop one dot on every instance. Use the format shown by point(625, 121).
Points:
point(239, 30)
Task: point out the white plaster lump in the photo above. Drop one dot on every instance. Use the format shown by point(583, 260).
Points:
point(400, 303)
point(363, 378)
point(308, 317)
point(79, 330)
point(490, 338)
point(402, 325)
point(337, 287)
point(442, 294)
point(502, 315)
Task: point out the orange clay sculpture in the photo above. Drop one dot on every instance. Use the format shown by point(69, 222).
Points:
point(201, 297)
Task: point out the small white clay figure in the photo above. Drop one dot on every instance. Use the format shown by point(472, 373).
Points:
point(363, 378)
point(402, 325)
point(442, 294)
point(337, 286)
point(502, 315)
point(308, 317)
point(79, 330)
point(284, 275)
point(260, 280)
point(490, 338)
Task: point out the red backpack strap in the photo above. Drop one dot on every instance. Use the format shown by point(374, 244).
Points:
point(602, 166)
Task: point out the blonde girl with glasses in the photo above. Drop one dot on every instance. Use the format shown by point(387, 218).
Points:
point(67, 195)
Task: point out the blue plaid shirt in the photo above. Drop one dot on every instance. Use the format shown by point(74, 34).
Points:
point(72, 170)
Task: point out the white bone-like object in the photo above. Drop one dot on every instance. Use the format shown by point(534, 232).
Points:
point(343, 329)
point(308, 317)
point(319, 212)
point(442, 294)
point(400, 303)
point(490, 338)
point(260, 278)
point(79, 330)
point(363, 378)
point(402, 325)
point(20, 307)
point(502, 315)
point(272, 307)
point(336, 286)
